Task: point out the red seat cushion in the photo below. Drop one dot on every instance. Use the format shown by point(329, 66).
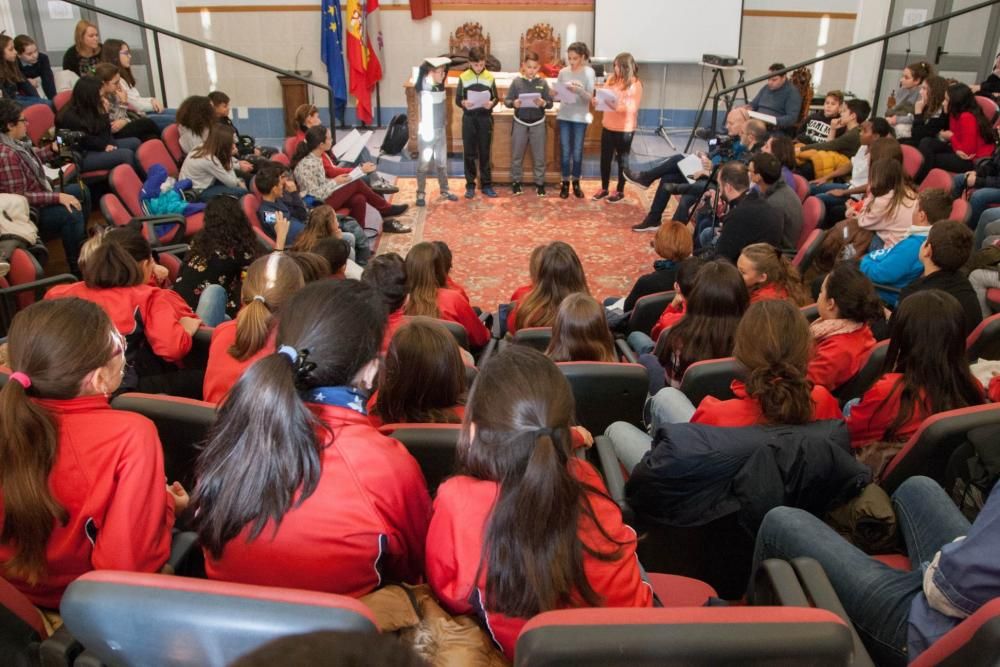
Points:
point(993, 299)
point(677, 591)
point(895, 561)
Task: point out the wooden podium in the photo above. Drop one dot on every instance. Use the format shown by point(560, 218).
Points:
point(503, 119)
point(293, 93)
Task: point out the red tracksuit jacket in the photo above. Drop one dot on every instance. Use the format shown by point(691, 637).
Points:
point(462, 512)
point(670, 316)
point(108, 475)
point(397, 318)
point(363, 526)
point(453, 307)
point(836, 359)
point(745, 410)
point(223, 370)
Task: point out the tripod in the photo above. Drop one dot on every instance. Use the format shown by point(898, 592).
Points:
point(718, 84)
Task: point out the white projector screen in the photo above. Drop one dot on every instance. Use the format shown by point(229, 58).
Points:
point(662, 31)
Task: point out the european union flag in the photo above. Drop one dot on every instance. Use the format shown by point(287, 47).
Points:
point(332, 53)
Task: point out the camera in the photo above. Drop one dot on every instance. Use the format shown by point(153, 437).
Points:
point(69, 145)
point(722, 145)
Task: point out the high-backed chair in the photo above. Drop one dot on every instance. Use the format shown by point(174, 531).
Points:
point(801, 186)
point(467, 36)
point(866, 375)
point(250, 203)
point(684, 636)
point(536, 337)
point(912, 160)
point(606, 392)
point(711, 377)
point(802, 80)
point(984, 341)
point(989, 108)
point(808, 250)
point(127, 618)
point(458, 332)
point(172, 140)
point(61, 99)
point(24, 284)
point(543, 40)
point(961, 211)
point(125, 184)
point(40, 120)
point(648, 309)
point(154, 152)
point(434, 446)
point(974, 643)
point(813, 212)
point(938, 179)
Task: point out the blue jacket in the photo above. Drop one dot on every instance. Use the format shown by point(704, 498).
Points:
point(897, 266)
point(967, 575)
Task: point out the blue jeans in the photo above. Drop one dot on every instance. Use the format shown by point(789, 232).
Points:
point(979, 203)
point(640, 342)
point(217, 189)
point(101, 160)
point(362, 252)
point(669, 406)
point(630, 443)
point(877, 597)
point(164, 118)
point(571, 148)
point(212, 305)
point(987, 226)
point(70, 225)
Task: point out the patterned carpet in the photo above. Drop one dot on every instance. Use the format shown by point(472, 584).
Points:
point(491, 239)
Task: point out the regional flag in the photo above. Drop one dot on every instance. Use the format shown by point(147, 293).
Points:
point(331, 38)
point(364, 65)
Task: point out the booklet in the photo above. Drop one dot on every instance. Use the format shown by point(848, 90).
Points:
point(356, 174)
point(480, 98)
point(690, 165)
point(528, 99)
point(607, 100)
point(349, 148)
point(766, 117)
point(565, 93)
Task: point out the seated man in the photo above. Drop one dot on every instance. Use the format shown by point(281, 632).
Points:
point(672, 181)
point(750, 218)
point(779, 98)
point(900, 264)
point(765, 173)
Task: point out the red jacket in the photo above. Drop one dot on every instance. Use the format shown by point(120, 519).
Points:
point(869, 419)
point(836, 359)
point(670, 316)
point(966, 137)
point(769, 292)
point(520, 292)
point(157, 311)
point(745, 410)
point(364, 524)
point(396, 319)
point(223, 370)
point(462, 512)
point(453, 307)
point(994, 389)
point(451, 284)
point(108, 474)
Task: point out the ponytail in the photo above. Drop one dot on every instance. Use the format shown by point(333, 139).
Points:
point(783, 392)
point(253, 325)
point(269, 282)
point(779, 269)
point(315, 136)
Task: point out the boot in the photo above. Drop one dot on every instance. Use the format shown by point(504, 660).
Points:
point(564, 190)
point(577, 190)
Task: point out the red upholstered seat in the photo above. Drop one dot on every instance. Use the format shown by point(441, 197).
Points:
point(976, 641)
point(677, 591)
point(154, 152)
point(936, 179)
point(813, 212)
point(40, 120)
point(172, 140)
point(912, 160)
point(895, 561)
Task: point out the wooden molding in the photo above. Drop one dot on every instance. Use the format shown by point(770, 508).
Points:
point(520, 7)
point(799, 15)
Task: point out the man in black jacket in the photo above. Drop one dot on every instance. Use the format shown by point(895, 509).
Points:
point(750, 218)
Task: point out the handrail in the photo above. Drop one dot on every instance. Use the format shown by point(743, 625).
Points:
point(157, 31)
point(868, 42)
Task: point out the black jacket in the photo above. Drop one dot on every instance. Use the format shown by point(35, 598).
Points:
point(98, 138)
point(42, 69)
point(750, 220)
point(955, 284)
point(695, 473)
point(662, 279)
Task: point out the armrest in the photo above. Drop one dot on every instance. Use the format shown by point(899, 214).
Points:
point(888, 288)
point(627, 352)
point(776, 584)
point(612, 469)
point(176, 249)
point(60, 649)
point(149, 223)
point(39, 284)
point(185, 554)
point(488, 351)
point(88, 659)
point(819, 590)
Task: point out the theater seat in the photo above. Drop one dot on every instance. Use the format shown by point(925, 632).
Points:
point(434, 446)
point(937, 179)
point(24, 284)
point(912, 160)
point(808, 250)
point(647, 311)
point(154, 152)
point(684, 636)
point(870, 370)
point(458, 332)
point(711, 377)
point(126, 618)
point(172, 140)
point(813, 212)
point(606, 392)
point(535, 337)
point(125, 184)
point(974, 643)
point(984, 341)
point(674, 590)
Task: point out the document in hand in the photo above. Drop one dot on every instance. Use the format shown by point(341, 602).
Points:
point(607, 100)
point(766, 117)
point(356, 174)
point(690, 165)
point(565, 93)
point(480, 98)
point(529, 99)
point(349, 148)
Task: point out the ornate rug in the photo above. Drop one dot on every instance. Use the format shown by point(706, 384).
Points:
point(492, 239)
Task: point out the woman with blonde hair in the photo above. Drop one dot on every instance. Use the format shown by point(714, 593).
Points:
point(560, 273)
point(82, 58)
point(429, 297)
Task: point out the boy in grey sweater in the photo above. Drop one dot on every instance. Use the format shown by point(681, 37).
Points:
point(529, 122)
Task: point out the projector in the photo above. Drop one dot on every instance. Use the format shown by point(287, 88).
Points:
point(721, 61)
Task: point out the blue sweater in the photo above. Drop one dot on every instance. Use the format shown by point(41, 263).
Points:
point(785, 103)
point(897, 266)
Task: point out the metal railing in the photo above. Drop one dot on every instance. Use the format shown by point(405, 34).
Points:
point(838, 52)
point(157, 31)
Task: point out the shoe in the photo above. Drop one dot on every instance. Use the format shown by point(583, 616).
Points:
point(391, 226)
point(449, 196)
point(600, 194)
point(646, 225)
point(490, 192)
point(470, 191)
point(383, 187)
point(564, 190)
point(421, 201)
point(637, 178)
point(394, 210)
point(616, 197)
point(540, 190)
point(577, 190)
point(515, 188)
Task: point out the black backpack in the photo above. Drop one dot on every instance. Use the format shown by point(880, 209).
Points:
point(396, 135)
point(974, 469)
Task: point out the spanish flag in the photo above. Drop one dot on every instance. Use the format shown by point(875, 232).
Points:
point(365, 70)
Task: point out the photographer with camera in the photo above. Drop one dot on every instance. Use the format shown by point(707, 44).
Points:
point(22, 172)
point(749, 219)
point(87, 115)
point(721, 149)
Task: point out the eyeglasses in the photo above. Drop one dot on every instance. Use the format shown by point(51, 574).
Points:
point(125, 52)
point(22, 120)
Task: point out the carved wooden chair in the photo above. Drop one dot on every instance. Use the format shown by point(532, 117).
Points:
point(467, 36)
point(802, 80)
point(543, 40)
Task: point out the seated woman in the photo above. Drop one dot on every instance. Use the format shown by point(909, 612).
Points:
point(318, 177)
point(35, 65)
point(210, 279)
point(323, 223)
point(714, 308)
point(902, 101)
point(387, 274)
point(123, 126)
point(900, 613)
point(926, 371)
point(83, 56)
point(13, 83)
point(768, 274)
point(156, 323)
point(294, 471)
point(270, 282)
point(533, 262)
point(422, 378)
point(929, 115)
point(212, 166)
point(560, 273)
point(887, 210)
point(195, 117)
point(580, 332)
point(118, 53)
point(87, 492)
point(673, 244)
point(425, 279)
point(781, 146)
point(772, 345)
point(442, 254)
point(969, 136)
point(22, 170)
point(847, 306)
point(484, 556)
point(87, 112)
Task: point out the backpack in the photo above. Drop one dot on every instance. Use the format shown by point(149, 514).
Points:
point(974, 469)
point(397, 134)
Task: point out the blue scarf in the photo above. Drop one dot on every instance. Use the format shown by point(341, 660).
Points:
point(664, 265)
point(341, 397)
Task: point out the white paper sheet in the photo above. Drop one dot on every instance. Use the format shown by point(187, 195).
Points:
point(565, 93)
point(766, 117)
point(607, 100)
point(480, 98)
point(689, 166)
point(529, 99)
point(349, 148)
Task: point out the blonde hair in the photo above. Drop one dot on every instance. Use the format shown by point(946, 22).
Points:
point(269, 283)
point(81, 29)
point(629, 71)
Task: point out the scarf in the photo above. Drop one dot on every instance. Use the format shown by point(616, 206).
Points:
point(340, 397)
point(821, 329)
point(664, 265)
point(24, 151)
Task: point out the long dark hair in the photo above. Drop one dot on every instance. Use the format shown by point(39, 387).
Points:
point(315, 136)
point(263, 452)
point(9, 72)
point(853, 293)
point(560, 273)
point(45, 343)
point(218, 146)
point(580, 332)
point(773, 344)
point(961, 100)
point(196, 114)
point(422, 377)
point(424, 277)
point(227, 233)
point(521, 406)
point(87, 104)
point(111, 53)
point(927, 346)
point(707, 331)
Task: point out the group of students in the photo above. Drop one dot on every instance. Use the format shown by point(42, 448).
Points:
point(529, 95)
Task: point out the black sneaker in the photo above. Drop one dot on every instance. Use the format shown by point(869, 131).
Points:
point(577, 190)
point(646, 225)
point(395, 209)
point(637, 178)
point(395, 227)
point(540, 190)
point(616, 197)
point(516, 189)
